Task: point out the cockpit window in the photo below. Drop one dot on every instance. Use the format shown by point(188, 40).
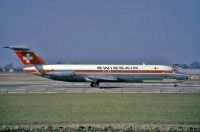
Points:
point(174, 70)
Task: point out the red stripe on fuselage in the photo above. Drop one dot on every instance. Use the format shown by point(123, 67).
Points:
point(121, 71)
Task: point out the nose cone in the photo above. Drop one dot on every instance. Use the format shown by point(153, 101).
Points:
point(186, 78)
point(181, 77)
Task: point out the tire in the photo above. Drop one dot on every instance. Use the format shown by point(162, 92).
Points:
point(94, 84)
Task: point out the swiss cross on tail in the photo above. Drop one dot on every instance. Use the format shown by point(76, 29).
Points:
point(27, 56)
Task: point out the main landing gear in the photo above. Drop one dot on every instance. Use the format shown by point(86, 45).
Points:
point(94, 84)
point(175, 85)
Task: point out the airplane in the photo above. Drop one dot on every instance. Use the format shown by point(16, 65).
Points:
point(96, 73)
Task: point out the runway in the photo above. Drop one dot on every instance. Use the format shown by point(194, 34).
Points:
point(27, 83)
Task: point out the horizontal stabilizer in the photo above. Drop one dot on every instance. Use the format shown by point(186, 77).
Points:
point(18, 48)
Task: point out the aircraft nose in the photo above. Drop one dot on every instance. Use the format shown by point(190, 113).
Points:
point(186, 78)
point(182, 77)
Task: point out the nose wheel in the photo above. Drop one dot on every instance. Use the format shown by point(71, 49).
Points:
point(94, 84)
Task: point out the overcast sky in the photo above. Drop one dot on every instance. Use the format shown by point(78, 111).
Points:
point(102, 31)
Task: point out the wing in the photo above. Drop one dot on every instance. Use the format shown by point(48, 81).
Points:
point(101, 78)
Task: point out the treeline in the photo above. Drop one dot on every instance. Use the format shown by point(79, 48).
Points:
point(193, 65)
point(10, 68)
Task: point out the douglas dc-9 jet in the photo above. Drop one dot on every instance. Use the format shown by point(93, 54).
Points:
point(96, 73)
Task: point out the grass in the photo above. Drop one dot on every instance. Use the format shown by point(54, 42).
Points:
point(99, 108)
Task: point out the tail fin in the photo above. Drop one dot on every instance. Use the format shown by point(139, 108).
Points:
point(27, 55)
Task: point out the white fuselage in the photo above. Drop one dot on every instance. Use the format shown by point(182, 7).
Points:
point(104, 73)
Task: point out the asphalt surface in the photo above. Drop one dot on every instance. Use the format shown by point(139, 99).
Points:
point(27, 83)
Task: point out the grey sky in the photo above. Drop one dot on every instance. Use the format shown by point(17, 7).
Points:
point(102, 31)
